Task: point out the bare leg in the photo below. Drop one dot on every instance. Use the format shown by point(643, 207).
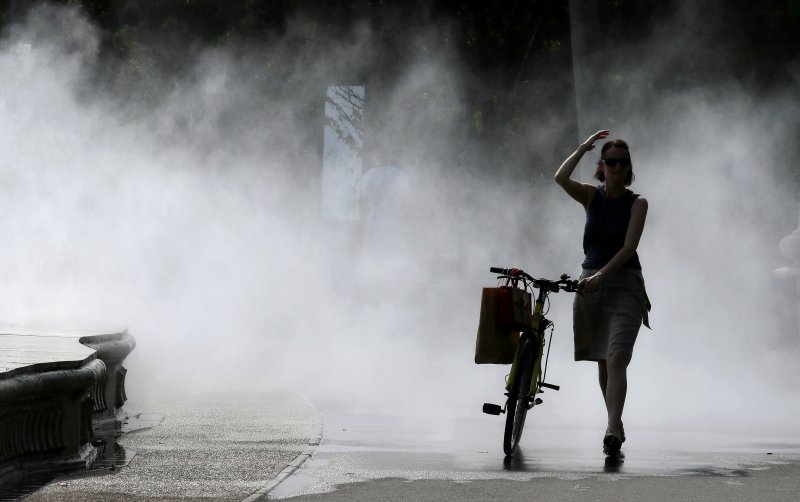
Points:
point(603, 374)
point(616, 389)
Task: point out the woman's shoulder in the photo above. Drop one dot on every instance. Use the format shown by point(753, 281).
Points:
point(635, 196)
point(639, 202)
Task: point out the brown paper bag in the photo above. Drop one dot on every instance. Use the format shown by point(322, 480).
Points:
point(495, 344)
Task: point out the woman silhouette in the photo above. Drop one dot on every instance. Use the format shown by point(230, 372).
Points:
point(613, 304)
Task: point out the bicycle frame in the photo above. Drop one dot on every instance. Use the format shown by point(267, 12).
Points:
point(538, 326)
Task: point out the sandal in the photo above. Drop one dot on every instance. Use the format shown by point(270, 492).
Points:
point(612, 444)
point(620, 436)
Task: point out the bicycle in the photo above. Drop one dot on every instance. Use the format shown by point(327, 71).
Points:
point(527, 378)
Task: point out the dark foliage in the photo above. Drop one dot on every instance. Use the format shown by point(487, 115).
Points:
point(518, 53)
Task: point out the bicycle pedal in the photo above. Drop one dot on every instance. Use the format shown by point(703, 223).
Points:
point(549, 386)
point(492, 409)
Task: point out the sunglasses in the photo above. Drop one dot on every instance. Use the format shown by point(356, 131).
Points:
point(611, 162)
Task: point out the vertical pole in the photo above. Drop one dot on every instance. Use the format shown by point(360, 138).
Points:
point(584, 21)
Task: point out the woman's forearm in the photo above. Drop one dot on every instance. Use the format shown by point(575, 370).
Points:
point(566, 169)
point(617, 261)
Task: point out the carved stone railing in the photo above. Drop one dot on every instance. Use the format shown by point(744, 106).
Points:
point(108, 394)
point(56, 389)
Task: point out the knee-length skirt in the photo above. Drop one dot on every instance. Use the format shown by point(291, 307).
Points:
point(607, 320)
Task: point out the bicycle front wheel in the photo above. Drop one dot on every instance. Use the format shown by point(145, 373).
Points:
point(518, 396)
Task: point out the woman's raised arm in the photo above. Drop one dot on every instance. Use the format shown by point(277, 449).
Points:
point(581, 192)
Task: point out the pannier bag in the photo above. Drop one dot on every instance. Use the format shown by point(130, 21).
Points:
point(505, 311)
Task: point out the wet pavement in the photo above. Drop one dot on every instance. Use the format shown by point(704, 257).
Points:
point(391, 458)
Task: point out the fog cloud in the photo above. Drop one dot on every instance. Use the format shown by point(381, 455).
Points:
point(192, 216)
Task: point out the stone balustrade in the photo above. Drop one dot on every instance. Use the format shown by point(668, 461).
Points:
point(56, 389)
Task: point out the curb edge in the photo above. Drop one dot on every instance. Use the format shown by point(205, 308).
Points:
point(294, 465)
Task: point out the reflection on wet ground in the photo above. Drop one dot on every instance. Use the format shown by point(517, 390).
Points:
point(111, 456)
point(613, 463)
point(360, 448)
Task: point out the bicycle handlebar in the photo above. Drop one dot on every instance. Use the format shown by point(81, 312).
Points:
point(563, 284)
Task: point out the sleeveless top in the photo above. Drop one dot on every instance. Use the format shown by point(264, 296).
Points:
point(606, 225)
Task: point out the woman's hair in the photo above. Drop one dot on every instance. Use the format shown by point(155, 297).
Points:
point(618, 143)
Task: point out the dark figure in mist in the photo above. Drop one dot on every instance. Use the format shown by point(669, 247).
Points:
point(613, 304)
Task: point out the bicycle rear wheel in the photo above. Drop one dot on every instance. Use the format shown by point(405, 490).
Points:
point(517, 404)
